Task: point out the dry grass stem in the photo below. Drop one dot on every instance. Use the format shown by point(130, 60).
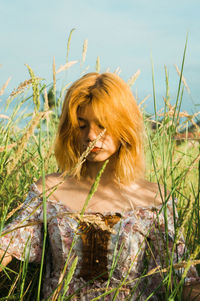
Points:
point(46, 104)
point(117, 71)
point(60, 281)
point(150, 273)
point(133, 78)
point(22, 144)
point(66, 66)
point(65, 87)
point(54, 76)
point(7, 147)
point(195, 161)
point(86, 152)
point(68, 43)
point(21, 226)
point(52, 188)
point(98, 64)
point(13, 211)
point(2, 116)
point(183, 78)
point(20, 89)
point(194, 123)
point(176, 266)
point(121, 289)
point(84, 52)
point(5, 86)
point(144, 100)
point(77, 166)
point(184, 114)
point(13, 285)
point(35, 87)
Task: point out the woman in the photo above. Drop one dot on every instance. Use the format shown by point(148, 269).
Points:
point(118, 237)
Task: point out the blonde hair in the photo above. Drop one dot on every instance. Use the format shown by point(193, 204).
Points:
point(116, 110)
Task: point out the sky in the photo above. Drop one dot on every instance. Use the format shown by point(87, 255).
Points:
point(129, 34)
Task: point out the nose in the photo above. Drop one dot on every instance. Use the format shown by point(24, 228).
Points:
point(92, 134)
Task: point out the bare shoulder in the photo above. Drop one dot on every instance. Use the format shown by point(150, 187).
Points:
point(149, 186)
point(51, 180)
point(146, 193)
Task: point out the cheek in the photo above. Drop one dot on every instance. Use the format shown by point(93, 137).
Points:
point(81, 135)
point(80, 141)
point(114, 144)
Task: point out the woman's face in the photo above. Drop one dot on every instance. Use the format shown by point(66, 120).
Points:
point(90, 128)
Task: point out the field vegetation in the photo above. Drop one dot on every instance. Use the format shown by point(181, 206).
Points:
point(27, 154)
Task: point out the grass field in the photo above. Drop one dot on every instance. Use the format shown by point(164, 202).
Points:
point(27, 153)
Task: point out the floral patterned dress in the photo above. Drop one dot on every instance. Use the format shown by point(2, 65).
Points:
point(113, 252)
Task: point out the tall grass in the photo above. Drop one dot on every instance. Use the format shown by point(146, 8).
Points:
point(27, 154)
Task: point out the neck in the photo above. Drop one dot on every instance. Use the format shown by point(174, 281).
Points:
point(93, 168)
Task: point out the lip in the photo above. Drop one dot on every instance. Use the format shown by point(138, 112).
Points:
point(95, 149)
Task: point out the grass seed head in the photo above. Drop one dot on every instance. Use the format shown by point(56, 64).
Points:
point(24, 140)
point(85, 46)
point(133, 78)
point(20, 89)
point(5, 86)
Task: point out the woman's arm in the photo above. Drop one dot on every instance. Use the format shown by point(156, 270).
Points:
point(24, 231)
point(6, 259)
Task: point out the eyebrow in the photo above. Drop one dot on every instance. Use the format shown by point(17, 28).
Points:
point(85, 120)
point(81, 119)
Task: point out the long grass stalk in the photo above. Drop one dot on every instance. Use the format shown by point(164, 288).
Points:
point(40, 151)
point(69, 278)
point(73, 266)
point(180, 81)
point(68, 44)
point(154, 92)
point(94, 187)
point(35, 86)
point(24, 268)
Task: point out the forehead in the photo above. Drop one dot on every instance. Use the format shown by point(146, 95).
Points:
point(86, 112)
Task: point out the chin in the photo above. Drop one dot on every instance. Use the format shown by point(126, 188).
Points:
point(97, 158)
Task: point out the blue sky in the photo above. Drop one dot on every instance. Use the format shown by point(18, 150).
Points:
point(123, 33)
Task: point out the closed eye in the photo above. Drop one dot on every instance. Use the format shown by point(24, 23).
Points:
point(82, 123)
point(82, 126)
point(101, 126)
